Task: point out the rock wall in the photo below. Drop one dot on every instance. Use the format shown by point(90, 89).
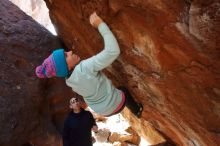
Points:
point(170, 59)
point(31, 109)
point(37, 9)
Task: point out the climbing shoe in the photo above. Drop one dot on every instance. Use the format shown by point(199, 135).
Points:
point(131, 104)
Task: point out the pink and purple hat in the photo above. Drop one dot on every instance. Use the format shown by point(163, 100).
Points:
point(53, 66)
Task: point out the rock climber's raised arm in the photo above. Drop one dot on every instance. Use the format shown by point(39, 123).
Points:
point(111, 48)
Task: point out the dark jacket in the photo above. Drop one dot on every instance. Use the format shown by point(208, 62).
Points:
point(77, 129)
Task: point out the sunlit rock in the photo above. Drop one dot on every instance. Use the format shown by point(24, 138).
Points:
point(169, 60)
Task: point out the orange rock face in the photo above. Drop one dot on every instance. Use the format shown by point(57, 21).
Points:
point(170, 59)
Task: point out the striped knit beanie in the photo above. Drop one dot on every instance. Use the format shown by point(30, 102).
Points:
point(53, 66)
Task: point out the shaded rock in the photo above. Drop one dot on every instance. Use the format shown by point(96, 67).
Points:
point(135, 137)
point(102, 135)
point(204, 24)
point(29, 106)
point(132, 137)
point(114, 137)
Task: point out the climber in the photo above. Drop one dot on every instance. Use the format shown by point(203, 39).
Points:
point(85, 77)
point(78, 125)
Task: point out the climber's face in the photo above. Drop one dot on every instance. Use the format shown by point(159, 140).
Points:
point(71, 59)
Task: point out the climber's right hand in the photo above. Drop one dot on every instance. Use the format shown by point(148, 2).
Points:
point(95, 20)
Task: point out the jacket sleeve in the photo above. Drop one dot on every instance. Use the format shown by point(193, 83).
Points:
point(110, 52)
point(66, 141)
point(92, 120)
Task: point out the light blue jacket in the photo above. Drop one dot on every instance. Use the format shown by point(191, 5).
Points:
point(88, 81)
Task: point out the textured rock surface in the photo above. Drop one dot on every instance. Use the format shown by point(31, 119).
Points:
point(170, 59)
point(28, 111)
point(37, 9)
point(131, 137)
point(170, 62)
